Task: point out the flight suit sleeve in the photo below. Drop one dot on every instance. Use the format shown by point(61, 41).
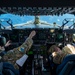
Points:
point(25, 46)
point(16, 53)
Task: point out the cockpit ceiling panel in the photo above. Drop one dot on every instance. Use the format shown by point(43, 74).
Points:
point(37, 7)
point(38, 10)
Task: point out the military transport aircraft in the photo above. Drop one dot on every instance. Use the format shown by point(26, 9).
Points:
point(36, 23)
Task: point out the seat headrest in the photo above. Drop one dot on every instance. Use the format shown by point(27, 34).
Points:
point(73, 37)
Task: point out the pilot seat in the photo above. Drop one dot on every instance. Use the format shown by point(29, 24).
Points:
point(67, 67)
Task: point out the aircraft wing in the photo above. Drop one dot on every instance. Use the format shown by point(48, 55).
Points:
point(23, 24)
point(20, 25)
point(50, 24)
point(45, 23)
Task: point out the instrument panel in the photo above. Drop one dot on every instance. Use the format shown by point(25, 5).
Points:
point(42, 37)
point(52, 35)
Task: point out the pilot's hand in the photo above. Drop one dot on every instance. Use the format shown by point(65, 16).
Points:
point(8, 43)
point(54, 54)
point(32, 34)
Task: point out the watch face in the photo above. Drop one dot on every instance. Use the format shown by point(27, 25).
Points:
point(21, 49)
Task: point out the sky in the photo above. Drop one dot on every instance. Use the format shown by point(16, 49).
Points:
point(16, 19)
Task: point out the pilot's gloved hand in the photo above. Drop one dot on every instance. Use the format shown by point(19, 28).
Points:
point(8, 43)
point(32, 34)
